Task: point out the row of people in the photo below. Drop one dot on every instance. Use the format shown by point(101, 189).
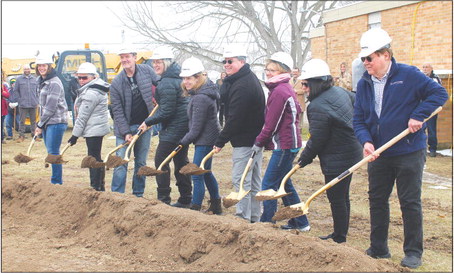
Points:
point(341, 126)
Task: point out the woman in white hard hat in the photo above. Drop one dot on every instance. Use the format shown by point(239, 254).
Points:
point(53, 111)
point(330, 115)
point(282, 135)
point(204, 128)
point(174, 121)
point(92, 118)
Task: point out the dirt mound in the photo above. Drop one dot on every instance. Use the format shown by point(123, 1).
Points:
point(152, 236)
point(21, 158)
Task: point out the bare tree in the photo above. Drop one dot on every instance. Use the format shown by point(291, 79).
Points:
point(204, 28)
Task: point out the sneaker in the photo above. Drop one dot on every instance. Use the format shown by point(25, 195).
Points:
point(411, 262)
point(180, 205)
point(377, 256)
point(432, 154)
point(303, 229)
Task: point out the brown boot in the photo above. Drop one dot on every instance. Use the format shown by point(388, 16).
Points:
point(20, 139)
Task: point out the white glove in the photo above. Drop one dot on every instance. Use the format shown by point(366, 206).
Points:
point(13, 105)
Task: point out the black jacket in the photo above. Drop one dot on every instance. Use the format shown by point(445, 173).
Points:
point(172, 106)
point(332, 138)
point(244, 101)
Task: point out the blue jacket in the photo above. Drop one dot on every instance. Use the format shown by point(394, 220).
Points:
point(408, 94)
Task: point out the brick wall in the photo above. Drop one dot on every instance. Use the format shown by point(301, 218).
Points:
point(432, 43)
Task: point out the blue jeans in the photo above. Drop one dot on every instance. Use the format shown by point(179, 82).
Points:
point(9, 122)
point(279, 165)
point(141, 148)
point(53, 136)
point(207, 179)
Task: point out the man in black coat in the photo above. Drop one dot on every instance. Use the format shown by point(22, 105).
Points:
point(245, 114)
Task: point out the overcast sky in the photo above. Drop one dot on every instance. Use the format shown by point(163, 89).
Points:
point(28, 26)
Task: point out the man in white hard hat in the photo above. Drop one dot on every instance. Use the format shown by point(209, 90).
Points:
point(26, 95)
point(131, 100)
point(390, 98)
point(245, 114)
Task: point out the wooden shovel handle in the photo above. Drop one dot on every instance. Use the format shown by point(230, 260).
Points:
point(172, 154)
point(287, 176)
point(65, 148)
point(210, 154)
point(31, 144)
point(385, 146)
point(246, 170)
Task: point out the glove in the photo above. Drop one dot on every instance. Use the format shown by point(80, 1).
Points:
point(13, 105)
point(303, 162)
point(73, 140)
point(256, 149)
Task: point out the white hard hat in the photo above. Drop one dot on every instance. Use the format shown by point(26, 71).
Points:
point(373, 40)
point(127, 49)
point(162, 53)
point(191, 67)
point(87, 68)
point(283, 58)
point(44, 59)
point(234, 51)
point(314, 68)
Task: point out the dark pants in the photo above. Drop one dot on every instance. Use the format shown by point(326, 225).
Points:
point(221, 114)
point(184, 183)
point(97, 175)
point(406, 171)
point(339, 199)
point(432, 133)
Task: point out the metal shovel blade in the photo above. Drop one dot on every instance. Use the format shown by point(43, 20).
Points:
point(233, 198)
point(290, 212)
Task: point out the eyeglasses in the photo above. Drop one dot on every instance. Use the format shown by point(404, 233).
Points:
point(305, 84)
point(82, 77)
point(368, 58)
point(228, 61)
point(270, 70)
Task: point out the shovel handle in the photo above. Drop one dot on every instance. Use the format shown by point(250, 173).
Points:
point(115, 149)
point(31, 144)
point(385, 146)
point(172, 154)
point(133, 141)
point(246, 170)
point(210, 154)
point(65, 148)
point(287, 176)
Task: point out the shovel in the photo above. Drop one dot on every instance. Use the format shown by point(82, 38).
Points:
point(57, 159)
point(235, 197)
point(303, 208)
point(272, 194)
point(148, 171)
point(21, 158)
point(116, 161)
point(193, 169)
point(111, 161)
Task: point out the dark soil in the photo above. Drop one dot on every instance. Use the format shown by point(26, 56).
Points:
point(148, 171)
point(91, 162)
point(21, 158)
point(55, 159)
point(114, 161)
point(192, 169)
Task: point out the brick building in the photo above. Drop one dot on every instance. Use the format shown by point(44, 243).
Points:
point(421, 32)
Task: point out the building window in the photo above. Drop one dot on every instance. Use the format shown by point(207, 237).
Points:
point(374, 20)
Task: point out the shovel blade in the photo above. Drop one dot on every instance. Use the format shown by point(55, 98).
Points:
point(265, 195)
point(233, 198)
point(290, 212)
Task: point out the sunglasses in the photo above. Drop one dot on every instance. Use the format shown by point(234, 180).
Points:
point(305, 84)
point(368, 58)
point(82, 77)
point(228, 61)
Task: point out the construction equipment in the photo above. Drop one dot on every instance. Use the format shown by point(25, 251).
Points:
point(303, 208)
point(271, 194)
point(235, 197)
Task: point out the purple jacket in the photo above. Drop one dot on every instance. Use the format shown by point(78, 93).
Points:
point(281, 118)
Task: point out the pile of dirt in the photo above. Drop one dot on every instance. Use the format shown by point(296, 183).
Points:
point(147, 235)
point(21, 158)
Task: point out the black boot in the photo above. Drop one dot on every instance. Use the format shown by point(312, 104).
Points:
point(164, 195)
point(215, 207)
point(195, 207)
point(102, 180)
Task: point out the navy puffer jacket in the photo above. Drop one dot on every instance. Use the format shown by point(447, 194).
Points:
point(172, 106)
